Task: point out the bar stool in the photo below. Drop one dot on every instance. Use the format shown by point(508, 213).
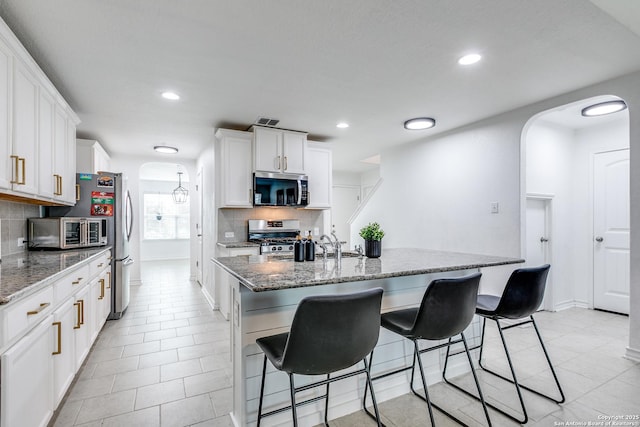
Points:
point(447, 308)
point(328, 333)
point(521, 297)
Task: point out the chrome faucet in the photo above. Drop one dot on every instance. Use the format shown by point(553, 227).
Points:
point(337, 246)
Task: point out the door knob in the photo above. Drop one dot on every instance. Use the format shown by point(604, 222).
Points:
point(599, 239)
point(544, 239)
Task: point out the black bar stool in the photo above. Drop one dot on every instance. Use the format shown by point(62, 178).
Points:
point(447, 308)
point(328, 333)
point(521, 297)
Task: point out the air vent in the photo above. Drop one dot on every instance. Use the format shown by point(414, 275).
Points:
point(265, 121)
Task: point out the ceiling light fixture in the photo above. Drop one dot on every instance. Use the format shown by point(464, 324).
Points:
point(420, 123)
point(603, 108)
point(342, 125)
point(469, 59)
point(172, 96)
point(165, 149)
point(180, 193)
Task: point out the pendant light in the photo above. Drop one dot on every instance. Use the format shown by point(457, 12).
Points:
point(180, 193)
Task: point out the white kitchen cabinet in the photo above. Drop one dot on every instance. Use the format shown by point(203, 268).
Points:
point(319, 171)
point(223, 279)
point(91, 157)
point(6, 163)
point(101, 301)
point(233, 163)
point(63, 353)
point(82, 328)
point(24, 140)
point(48, 178)
point(69, 177)
point(277, 150)
point(27, 379)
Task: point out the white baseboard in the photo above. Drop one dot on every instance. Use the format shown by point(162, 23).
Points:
point(633, 354)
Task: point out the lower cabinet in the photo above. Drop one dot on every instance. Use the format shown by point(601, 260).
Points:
point(222, 294)
point(37, 369)
point(27, 379)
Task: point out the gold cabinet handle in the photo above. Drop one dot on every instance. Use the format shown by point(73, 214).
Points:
point(108, 280)
point(100, 265)
point(60, 178)
point(75, 282)
point(59, 325)
point(81, 301)
point(285, 163)
point(101, 289)
point(16, 179)
point(24, 171)
point(278, 168)
point(77, 325)
point(77, 192)
point(39, 309)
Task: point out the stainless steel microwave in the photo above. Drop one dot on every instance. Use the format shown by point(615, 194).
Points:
point(280, 189)
point(66, 232)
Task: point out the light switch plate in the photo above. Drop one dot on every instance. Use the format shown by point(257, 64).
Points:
point(495, 207)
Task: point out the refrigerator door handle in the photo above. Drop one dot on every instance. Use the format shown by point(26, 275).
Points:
point(129, 216)
point(128, 262)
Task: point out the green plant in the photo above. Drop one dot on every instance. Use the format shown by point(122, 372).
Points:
point(372, 231)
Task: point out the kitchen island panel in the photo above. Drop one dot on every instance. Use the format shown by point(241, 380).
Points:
point(258, 314)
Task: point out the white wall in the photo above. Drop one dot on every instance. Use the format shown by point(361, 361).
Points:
point(437, 192)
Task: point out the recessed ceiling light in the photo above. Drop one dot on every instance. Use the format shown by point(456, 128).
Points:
point(469, 59)
point(171, 96)
point(342, 125)
point(165, 149)
point(420, 123)
point(604, 108)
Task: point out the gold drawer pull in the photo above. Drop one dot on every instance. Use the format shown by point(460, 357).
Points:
point(77, 192)
point(109, 280)
point(59, 325)
point(100, 265)
point(39, 309)
point(75, 282)
point(81, 301)
point(101, 289)
point(77, 325)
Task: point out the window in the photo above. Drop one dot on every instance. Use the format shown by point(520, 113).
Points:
point(164, 219)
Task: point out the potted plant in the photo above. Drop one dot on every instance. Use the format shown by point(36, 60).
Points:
point(372, 235)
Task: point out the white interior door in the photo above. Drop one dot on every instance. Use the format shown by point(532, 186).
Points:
point(611, 231)
point(345, 200)
point(199, 251)
point(538, 249)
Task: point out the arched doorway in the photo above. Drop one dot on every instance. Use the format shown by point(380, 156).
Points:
point(564, 153)
point(165, 217)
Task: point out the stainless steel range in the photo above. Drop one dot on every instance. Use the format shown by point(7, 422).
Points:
point(274, 236)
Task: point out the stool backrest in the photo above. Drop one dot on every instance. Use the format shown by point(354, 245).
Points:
point(332, 332)
point(523, 293)
point(447, 307)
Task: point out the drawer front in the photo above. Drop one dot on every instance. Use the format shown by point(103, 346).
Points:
point(244, 251)
point(27, 312)
point(98, 265)
point(70, 283)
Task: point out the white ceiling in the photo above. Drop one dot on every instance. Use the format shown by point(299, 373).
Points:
point(372, 63)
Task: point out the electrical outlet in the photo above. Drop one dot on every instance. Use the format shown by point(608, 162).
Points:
point(229, 235)
point(21, 241)
point(495, 207)
point(316, 231)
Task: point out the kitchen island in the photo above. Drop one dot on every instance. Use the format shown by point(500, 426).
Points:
point(266, 289)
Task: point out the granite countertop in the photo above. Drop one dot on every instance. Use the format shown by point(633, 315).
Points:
point(24, 273)
point(273, 272)
point(238, 244)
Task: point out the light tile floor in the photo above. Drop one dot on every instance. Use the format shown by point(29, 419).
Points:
point(166, 363)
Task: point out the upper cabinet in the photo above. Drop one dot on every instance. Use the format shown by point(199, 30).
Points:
point(319, 170)
point(277, 150)
point(233, 166)
point(34, 161)
point(91, 157)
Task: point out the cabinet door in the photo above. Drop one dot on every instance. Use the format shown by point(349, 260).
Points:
point(64, 367)
point(69, 175)
point(26, 394)
point(82, 325)
point(25, 144)
point(48, 176)
point(293, 151)
point(319, 170)
point(6, 163)
point(101, 299)
point(236, 172)
point(267, 149)
point(60, 149)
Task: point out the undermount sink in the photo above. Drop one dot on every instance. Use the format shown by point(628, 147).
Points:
point(330, 255)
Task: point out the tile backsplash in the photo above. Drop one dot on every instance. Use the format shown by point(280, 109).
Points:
point(13, 225)
point(236, 220)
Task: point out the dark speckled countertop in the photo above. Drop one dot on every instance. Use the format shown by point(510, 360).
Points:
point(24, 273)
point(268, 272)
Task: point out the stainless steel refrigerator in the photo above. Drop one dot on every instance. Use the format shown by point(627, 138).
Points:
point(105, 195)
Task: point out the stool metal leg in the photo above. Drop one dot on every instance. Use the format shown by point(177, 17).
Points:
point(292, 389)
point(264, 372)
point(367, 368)
point(326, 404)
point(416, 355)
